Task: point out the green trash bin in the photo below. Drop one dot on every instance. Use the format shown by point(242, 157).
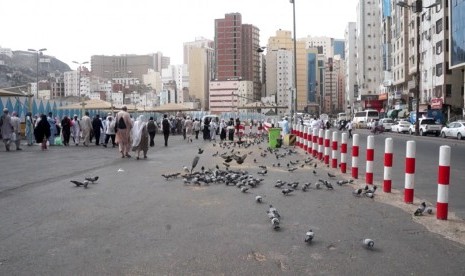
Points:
point(273, 135)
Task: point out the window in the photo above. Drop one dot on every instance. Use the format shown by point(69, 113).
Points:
point(439, 26)
point(438, 47)
point(448, 90)
point(439, 69)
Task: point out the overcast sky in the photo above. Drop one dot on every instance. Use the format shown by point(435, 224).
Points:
point(76, 30)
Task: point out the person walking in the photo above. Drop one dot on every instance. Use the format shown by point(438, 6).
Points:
point(66, 130)
point(166, 126)
point(152, 130)
point(86, 128)
point(53, 128)
point(188, 125)
point(123, 131)
point(76, 130)
point(140, 137)
point(29, 129)
point(16, 136)
point(349, 128)
point(223, 127)
point(97, 128)
point(231, 129)
point(6, 128)
point(206, 129)
point(42, 131)
point(213, 128)
point(110, 131)
point(196, 127)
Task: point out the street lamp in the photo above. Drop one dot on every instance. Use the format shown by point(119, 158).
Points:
point(38, 52)
point(417, 7)
point(294, 100)
point(79, 85)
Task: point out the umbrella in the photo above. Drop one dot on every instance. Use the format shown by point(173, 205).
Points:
point(7, 93)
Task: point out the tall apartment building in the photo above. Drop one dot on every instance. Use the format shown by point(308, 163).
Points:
point(199, 42)
point(351, 87)
point(284, 41)
point(199, 68)
point(236, 53)
point(279, 77)
point(368, 53)
point(325, 43)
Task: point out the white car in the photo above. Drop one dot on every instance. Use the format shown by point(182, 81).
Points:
point(454, 129)
point(386, 123)
point(401, 126)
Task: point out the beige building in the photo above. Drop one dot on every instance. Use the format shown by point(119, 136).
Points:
point(229, 96)
point(199, 74)
point(284, 41)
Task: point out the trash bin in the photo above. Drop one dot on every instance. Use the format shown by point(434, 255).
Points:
point(273, 135)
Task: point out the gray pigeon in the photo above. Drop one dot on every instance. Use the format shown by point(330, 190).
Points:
point(420, 209)
point(274, 211)
point(244, 189)
point(275, 223)
point(92, 179)
point(79, 184)
point(287, 191)
point(368, 243)
point(309, 236)
point(258, 199)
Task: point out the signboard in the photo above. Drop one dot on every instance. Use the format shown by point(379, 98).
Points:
point(436, 103)
point(383, 96)
point(457, 34)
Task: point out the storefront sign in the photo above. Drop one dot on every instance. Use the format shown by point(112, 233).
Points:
point(436, 103)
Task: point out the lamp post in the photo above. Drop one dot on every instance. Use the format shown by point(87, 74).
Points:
point(294, 99)
point(79, 85)
point(38, 52)
point(417, 8)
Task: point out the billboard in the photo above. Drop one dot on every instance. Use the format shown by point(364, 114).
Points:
point(457, 33)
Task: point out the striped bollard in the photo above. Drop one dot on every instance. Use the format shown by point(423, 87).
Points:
point(334, 151)
point(409, 172)
point(387, 183)
point(305, 147)
point(442, 204)
point(370, 158)
point(293, 129)
point(300, 135)
point(296, 133)
point(327, 146)
point(355, 152)
point(321, 134)
point(315, 142)
point(310, 139)
point(344, 152)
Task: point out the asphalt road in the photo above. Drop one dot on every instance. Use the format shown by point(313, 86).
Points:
point(134, 222)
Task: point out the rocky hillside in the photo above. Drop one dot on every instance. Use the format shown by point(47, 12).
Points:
point(21, 68)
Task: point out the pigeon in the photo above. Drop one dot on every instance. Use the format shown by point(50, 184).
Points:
point(274, 211)
point(244, 189)
point(429, 210)
point(255, 160)
point(240, 159)
point(318, 186)
point(329, 186)
point(262, 167)
point(421, 209)
point(292, 169)
point(200, 151)
point(314, 172)
point(92, 179)
point(186, 169)
point(262, 172)
point(259, 199)
point(357, 192)
point(194, 162)
point(287, 191)
point(309, 236)
point(275, 223)
point(368, 243)
point(314, 166)
point(79, 184)
point(331, 175)
point(120, 170)
point(293, 185)
point(226, 165)
point(342, 182)
point(306, 186)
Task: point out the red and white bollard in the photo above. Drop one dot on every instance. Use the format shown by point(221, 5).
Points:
point(315, 142)
point(344, 152)
point(355, 152)
point(321, 134)
point(370, 158)
point(442, 204)
point(388, 150)
point(305, 138)
point(327, 146)
point(409, 172)
point(301, 136)
point(334, 151)
point(309, 143)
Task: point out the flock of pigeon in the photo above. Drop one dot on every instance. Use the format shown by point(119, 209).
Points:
point(245, 181)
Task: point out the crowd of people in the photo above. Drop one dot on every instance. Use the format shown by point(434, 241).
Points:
point(119, 130)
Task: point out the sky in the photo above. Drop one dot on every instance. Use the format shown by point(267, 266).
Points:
point(75, 30)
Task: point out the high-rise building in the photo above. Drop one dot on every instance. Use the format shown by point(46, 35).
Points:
point(236, 53)
point(198, 75)
point(351, 88)
point(199, 42)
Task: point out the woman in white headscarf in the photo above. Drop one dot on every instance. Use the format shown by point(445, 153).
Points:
point(140, 136)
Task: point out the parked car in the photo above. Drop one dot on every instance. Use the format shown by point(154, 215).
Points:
point(386, 123)
point(427, 126)
point(401, 126)
point(454, 129)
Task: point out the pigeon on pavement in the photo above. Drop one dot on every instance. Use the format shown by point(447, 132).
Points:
point(79, 184)
point(368, 243)
point(92, 179)
point(259, 199)
point(287, 191)
point(420, 209)
point(309, 236)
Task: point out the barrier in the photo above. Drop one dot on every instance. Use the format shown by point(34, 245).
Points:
point(409, 172)
point(334, 151)
point(355, 152)
point(370, 159)
point(442, 204)
point(320, 144)
point(315, 142)
point(310, 140)
point(388, 158)
point(327, 146)
point(344, 152)
point(305, 138)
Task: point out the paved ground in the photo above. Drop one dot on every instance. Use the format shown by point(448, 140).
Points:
point(133, 222)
